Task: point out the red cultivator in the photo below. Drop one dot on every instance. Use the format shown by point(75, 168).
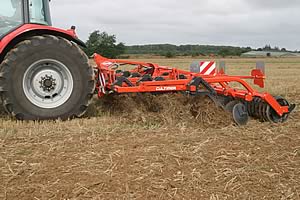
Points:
point(152, 78)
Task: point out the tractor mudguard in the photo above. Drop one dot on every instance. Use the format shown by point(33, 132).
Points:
point(28, 30)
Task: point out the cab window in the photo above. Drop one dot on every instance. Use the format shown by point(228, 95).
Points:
point(37, 12)
point(10, 15)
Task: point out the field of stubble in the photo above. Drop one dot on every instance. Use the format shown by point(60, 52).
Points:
point(164, 147)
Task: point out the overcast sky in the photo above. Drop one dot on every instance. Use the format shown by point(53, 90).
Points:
point(218, 22)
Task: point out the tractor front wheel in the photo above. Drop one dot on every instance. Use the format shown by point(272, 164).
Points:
point(46, 77)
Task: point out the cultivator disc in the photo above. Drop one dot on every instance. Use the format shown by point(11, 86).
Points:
point(262, 111)
point(257, 109)
point(240, 114)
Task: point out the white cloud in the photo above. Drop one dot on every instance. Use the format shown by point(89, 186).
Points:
point(230, 22)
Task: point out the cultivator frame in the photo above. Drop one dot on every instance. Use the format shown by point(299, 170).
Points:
point(145, 77)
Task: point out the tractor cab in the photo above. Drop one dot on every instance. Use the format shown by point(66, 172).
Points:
point(14, 13)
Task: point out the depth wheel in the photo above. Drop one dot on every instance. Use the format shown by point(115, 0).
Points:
point(46, 77)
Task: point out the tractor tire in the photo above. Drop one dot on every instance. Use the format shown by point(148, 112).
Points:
point(45, 78)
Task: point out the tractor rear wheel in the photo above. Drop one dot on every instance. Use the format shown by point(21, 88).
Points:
point(46, 77)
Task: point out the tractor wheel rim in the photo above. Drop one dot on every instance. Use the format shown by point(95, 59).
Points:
point(48, 83)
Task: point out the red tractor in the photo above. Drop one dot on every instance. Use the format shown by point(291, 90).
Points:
point(44, 74)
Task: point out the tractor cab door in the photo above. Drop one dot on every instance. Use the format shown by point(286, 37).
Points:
point(39, 12)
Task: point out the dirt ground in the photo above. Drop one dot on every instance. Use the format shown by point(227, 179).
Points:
point(157, 147)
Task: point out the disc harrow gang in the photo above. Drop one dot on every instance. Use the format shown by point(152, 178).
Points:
point(203, 79)
point(262, 111)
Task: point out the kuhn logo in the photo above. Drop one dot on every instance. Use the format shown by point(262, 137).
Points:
point(166, 88)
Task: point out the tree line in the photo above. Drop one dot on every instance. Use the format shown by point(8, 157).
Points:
point(186, 50)
point(106, 45)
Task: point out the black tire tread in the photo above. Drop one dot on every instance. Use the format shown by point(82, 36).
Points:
point(22, 47)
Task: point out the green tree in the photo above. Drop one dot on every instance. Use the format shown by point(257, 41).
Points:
point(195, 54)
point(224, 52)
point(283, 49)
point(170, 54)
point(104, 44)
point(267, 48)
